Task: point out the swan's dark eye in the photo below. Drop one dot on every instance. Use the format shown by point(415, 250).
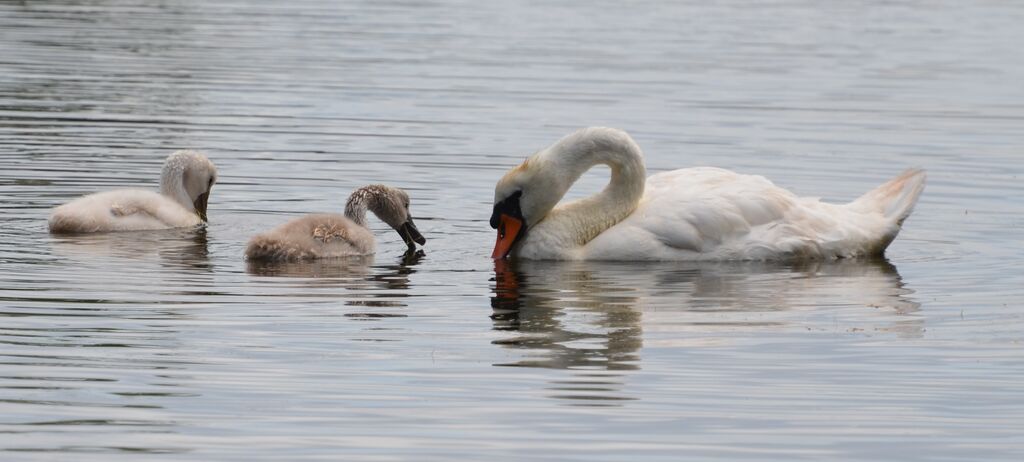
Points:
point(508, 206)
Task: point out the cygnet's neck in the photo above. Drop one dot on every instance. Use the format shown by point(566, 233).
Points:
point(366, 198)
point(172, 181)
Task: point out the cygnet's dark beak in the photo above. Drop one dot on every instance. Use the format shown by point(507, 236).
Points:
point(410, 234)
point(200, 205)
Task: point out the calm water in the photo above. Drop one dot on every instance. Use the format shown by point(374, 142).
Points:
point(168, 343)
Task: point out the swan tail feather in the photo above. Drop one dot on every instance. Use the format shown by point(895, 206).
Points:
point(892, 201)
point(896, 198)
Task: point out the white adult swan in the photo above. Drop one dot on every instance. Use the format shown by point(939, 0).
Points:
point(325, 235)
point(698, 213)
point(185, 184)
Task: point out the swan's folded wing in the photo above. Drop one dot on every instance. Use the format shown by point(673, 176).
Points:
point(120, 210)
point(710, 211)
point(142, 209)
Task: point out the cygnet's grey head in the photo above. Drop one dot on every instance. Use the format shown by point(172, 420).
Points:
point(188, 177)
point(389, 204)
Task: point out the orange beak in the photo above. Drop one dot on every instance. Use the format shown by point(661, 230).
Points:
point(508, 230)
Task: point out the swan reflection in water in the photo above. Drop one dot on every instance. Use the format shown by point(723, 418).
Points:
point(590, 317)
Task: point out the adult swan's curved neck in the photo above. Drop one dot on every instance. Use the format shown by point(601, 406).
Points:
point(577, 222)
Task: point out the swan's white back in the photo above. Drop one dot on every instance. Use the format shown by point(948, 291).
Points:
point(715, 214)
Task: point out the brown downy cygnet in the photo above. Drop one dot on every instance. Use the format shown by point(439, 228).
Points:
point(331, 235)
point(185, 184)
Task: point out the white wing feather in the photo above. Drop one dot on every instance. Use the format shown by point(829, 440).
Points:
point(714, 214)
point(121, 210)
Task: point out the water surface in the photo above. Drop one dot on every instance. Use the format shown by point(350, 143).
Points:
point(170, 344)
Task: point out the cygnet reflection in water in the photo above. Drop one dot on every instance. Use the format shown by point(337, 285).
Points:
point(340, 267)
point(366, 284)
point(176, 247)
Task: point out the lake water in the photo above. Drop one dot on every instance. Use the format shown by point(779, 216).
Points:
point(168, 345)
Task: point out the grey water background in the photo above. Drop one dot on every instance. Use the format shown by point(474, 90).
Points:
point(167, 345)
